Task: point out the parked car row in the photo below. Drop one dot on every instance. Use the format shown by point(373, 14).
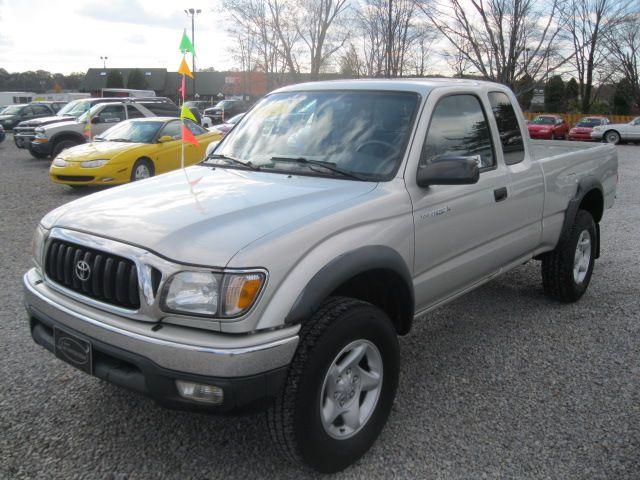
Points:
point(12, 115)
point(592, 128)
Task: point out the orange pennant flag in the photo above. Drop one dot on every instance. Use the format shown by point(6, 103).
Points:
point(184, 69)
point(188, 137)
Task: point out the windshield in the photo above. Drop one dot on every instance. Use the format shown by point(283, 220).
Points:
point(226, 103)
point(360, 132)
point(13, 109)
point(136, 132)
point(75, 108)
point(544, 121)
point(589, 122)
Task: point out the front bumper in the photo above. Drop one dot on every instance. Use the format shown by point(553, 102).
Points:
point(22, 140)
point(74, 174)
point(130, 354)
point(43, 148)
point(540, 135)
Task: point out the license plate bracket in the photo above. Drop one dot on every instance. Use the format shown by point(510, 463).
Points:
point(72, 349)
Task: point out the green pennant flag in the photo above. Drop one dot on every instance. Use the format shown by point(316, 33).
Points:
point(186, 113)
point(185, 44)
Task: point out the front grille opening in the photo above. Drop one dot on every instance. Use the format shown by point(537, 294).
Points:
point(93, 273)
point(74, 178)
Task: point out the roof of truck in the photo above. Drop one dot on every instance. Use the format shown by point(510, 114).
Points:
point(420, 85)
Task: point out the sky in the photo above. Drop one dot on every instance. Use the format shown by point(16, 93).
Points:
point(71, 36)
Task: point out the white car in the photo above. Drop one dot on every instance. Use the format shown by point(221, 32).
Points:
point(617, 132)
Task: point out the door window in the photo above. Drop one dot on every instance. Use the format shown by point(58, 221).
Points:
point(134, 112)
point(172, 129)
point(112, 113)
point(458, 128)
point(508, 128)
point(40, 110)
point(194, 127)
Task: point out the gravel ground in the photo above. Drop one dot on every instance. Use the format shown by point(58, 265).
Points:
point(502, 383)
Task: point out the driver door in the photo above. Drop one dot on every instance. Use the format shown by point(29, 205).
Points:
point(457, 227)
point(169, 153)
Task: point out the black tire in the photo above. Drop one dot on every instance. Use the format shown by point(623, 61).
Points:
point(558, 279)
point(142, 162)
point(294, 419)
point(62, 145)
point(35, 154)
point(611, 136)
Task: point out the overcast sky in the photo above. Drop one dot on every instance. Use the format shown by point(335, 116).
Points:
point(70, 36)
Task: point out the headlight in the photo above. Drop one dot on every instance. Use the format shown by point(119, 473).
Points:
point(59, 162)
point(212, 294)
point(38, 245)
point(93, 163)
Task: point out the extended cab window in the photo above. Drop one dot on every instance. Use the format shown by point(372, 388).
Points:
point(134, 112)
point(508, 128)
point(458, 128)
point(111, 112)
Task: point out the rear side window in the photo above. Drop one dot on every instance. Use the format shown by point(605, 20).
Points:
point(458, 128)
point(508, 128)
point(164, 109)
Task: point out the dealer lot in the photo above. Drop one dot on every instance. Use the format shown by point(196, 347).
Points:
point(502, 383)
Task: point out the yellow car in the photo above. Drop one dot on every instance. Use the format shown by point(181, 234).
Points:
point(129, 151)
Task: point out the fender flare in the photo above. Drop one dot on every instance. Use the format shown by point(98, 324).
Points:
point(344, 267)
point(68, 134)
point(586, 185)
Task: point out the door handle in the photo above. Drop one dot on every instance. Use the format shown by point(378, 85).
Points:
point(500, 194)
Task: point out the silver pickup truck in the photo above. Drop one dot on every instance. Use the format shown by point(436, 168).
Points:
point(279, 272)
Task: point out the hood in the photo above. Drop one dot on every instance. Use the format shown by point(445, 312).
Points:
point(64, 123)
point(37, 122)
point(207, 221)
point(7, 117)
point(96, 150)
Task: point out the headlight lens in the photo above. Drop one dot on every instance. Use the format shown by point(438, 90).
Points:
point(59, 162)
point(93, 163)
point(212, 294)
point(38, 245)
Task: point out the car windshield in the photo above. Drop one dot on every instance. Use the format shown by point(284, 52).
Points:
point(226, 103)
point(132, 131)
point(544, 121)
point(13, 109)
point(589, 122)
point(361, 133)
point(75, 108)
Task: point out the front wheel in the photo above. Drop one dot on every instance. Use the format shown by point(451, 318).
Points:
point(566, 270)
point(340, 386)
point(142, 169)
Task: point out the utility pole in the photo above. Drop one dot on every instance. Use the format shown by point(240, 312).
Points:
point(191, 12)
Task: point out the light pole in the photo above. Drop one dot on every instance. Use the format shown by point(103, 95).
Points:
point(191, 12)
point(104, 62)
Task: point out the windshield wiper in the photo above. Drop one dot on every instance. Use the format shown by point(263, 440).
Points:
point(234, 160)
point(318, 163)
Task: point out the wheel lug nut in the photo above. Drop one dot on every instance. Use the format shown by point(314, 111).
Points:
point(336, 395)
point(348, 371)
point(355, 379)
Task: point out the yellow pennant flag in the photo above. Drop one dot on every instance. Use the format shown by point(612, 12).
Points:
point(184, 69)
point(186, 113)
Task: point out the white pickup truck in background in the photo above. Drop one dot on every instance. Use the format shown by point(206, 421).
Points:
point(279, 272)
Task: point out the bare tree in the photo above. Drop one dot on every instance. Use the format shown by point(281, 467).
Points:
point(390, 31)
point(587, 24)
point(351, 63)
point(283, 22)
point(493, 35)
point(623, 47)
point(320, 30)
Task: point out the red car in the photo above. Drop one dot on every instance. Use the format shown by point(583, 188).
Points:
point(582, 130)
point(548, 127)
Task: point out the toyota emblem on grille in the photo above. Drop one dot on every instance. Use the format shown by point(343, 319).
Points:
point(83, 270)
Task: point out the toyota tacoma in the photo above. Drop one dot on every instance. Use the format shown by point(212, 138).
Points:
point(278, 273)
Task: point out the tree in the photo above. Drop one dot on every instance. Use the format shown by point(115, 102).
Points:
point(137, 80)
point(351, 65)
point(525, 87)
point(554, 95)
point(502, 40)
point(114, 79)
point(588, 23)
point(623, 46)
point(572, 90)
point(319, 33)
point(623, 97)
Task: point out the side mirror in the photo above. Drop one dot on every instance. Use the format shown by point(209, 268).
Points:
point(165, 139)
point(449, 171)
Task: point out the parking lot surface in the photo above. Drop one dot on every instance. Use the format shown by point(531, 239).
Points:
point(502, 383)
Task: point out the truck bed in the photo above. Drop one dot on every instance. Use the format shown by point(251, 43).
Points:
point(565, 164)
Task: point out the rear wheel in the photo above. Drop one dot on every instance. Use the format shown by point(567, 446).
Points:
point(143, 168)
point(340, 386)
point(612, 137)
point(566, 270)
